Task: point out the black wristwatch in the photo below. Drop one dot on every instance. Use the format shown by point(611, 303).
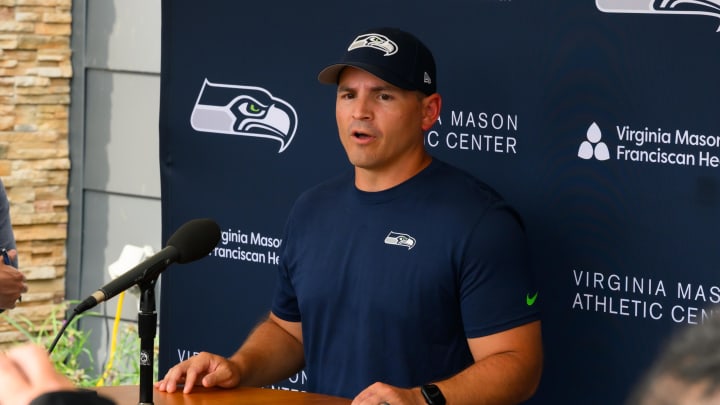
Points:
point(432, 394)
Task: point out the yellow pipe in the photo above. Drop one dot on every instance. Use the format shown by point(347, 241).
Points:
point(113, 342)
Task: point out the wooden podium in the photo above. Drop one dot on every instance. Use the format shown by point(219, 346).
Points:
point(129, 395)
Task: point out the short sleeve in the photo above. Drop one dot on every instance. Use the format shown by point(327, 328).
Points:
point(497, 288)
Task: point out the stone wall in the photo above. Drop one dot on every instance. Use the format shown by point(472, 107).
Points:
point(35, 72)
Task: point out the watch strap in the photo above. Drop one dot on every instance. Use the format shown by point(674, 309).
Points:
point(432, 394)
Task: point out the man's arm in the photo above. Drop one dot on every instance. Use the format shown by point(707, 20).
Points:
point(507, 368)
point(273, 351)
point(506, 371)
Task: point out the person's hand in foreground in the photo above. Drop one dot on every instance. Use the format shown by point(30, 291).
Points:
point(26, 373)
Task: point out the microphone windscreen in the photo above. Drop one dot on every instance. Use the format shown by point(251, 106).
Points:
point(195, 239)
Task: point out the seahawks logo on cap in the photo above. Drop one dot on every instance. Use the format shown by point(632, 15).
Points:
point(375, 41)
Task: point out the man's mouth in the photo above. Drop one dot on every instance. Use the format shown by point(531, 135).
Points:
point(360, 135)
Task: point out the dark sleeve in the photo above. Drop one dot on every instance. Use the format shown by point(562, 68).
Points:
point(497, 287)
point(7, 237)
point(80, 397)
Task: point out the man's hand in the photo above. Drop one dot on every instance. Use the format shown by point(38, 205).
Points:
point(380, 393)
point(206, 369)
point(12, 284)
point(25, 373)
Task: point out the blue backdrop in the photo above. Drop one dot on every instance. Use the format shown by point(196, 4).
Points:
point(597, 120)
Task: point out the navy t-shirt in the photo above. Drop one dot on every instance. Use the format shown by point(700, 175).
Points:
point(390, 285)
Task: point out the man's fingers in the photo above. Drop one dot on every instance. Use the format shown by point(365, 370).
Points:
point(190, 377)
point(162, 385)
point(204, 369)
point(172, 378)
point(185, 372)
point(218, 377)
point(225, 373)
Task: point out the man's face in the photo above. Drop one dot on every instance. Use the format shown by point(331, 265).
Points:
point(380, 125)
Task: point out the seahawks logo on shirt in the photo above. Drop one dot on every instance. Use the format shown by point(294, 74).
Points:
point(400, 239)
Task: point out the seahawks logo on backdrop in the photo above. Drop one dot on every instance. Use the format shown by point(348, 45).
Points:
point(375, 41)
point(244, 111)
point(696, 7)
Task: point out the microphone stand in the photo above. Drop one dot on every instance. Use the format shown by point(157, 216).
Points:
point(147, 325)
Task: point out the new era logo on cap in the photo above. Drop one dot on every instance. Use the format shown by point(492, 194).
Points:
point(393, 55)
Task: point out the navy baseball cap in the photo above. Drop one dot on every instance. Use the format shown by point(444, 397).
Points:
point(393, 55)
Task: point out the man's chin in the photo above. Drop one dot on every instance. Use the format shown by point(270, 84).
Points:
point(364, 163)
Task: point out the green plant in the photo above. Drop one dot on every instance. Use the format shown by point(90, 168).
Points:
point(72, 357)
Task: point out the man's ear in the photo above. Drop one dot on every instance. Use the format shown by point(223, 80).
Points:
point(431, 110)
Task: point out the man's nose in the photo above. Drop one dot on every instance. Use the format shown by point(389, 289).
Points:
point(361, 108)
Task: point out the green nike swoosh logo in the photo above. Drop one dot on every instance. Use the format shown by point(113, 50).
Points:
point(530, 300)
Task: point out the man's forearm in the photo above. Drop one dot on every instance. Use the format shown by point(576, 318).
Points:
point(499, 379)
point(507, 368)
point(269, 355)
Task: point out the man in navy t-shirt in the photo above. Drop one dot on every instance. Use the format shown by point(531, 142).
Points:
point(403, 280)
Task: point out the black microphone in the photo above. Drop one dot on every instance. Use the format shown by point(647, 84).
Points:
point(192, 241)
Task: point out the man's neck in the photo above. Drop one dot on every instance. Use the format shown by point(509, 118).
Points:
point(373, 180)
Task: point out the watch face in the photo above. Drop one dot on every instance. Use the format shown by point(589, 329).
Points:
point(432, 394)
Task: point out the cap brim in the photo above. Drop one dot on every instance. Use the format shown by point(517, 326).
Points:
point(331, 74)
